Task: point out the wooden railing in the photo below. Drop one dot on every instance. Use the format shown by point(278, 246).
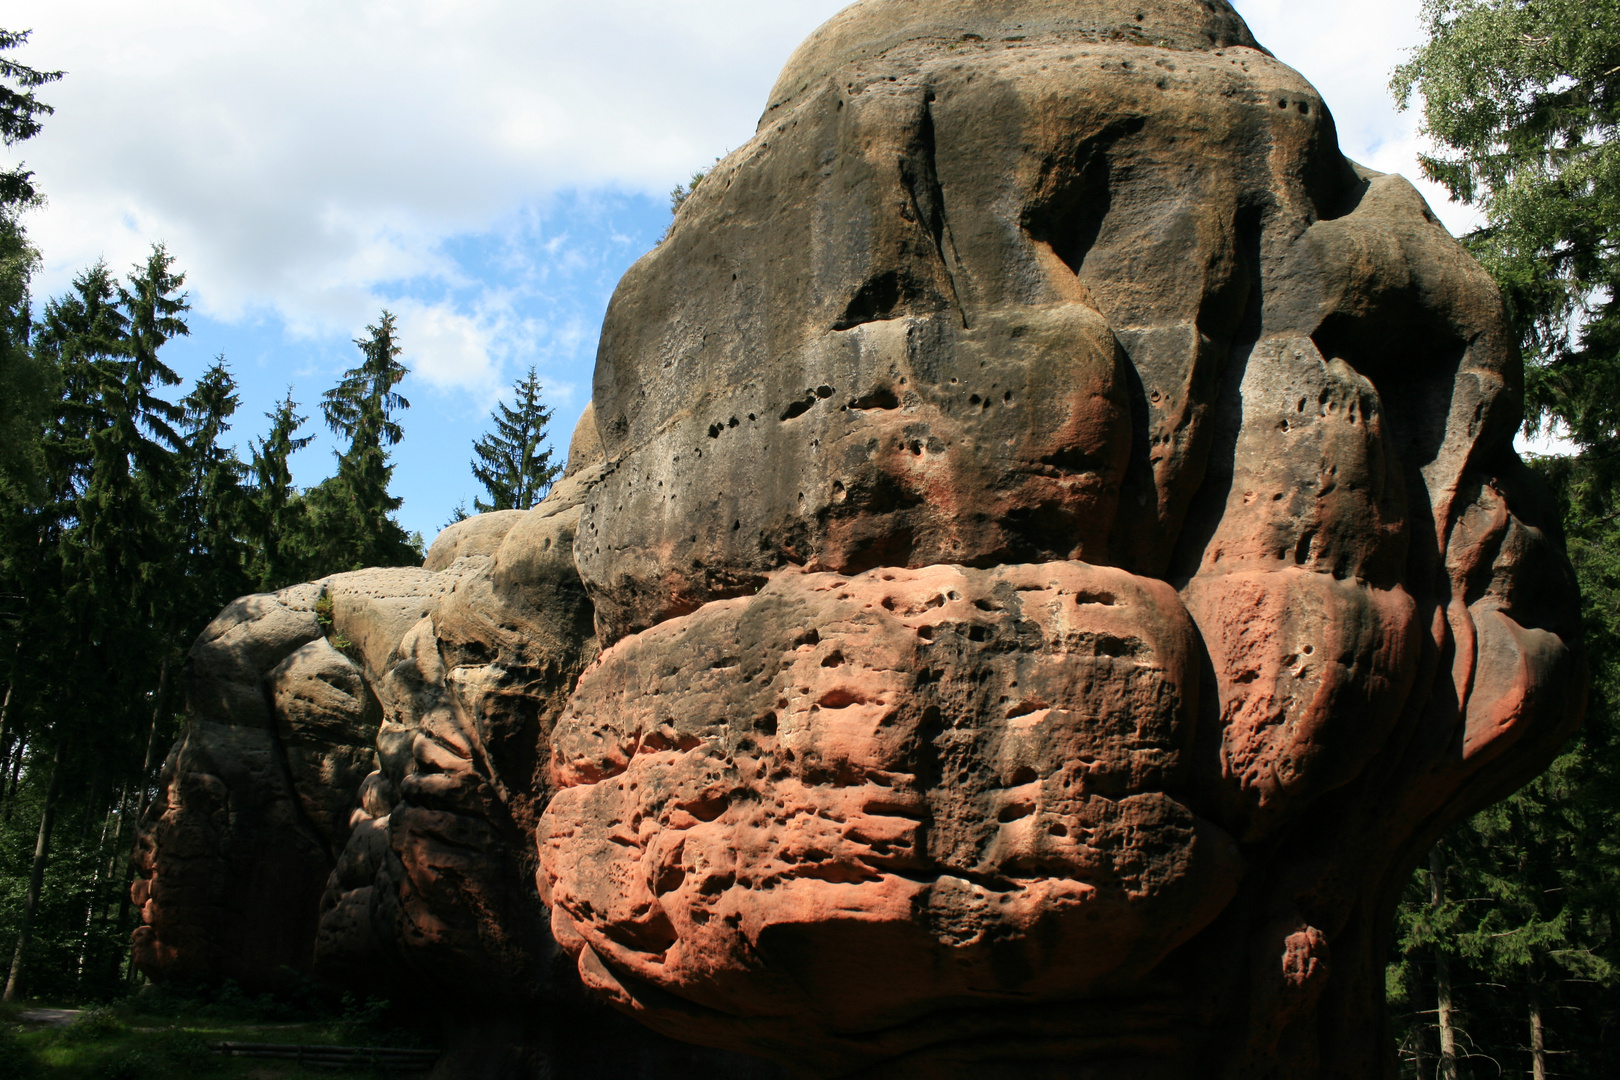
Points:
point(333, 1057)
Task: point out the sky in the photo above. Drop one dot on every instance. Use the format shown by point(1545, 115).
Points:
point(485, 169)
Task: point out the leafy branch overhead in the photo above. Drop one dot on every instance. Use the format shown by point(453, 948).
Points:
point(1508, 943)
point(1522, 100)
point(20, 110)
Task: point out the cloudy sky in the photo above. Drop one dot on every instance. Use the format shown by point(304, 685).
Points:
point(486, 169)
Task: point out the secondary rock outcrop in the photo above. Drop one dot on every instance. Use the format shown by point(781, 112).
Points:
point(1045, 558)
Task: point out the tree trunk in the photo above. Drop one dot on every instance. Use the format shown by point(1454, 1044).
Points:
point(151, 739)
point(11, 685)
point(5, 718)
point(36, 879)
point(11, 785)
point(7, 738)
point(1442, 975)
point(1538, 1038)
point(8, 745)
point(143, 800)
point(92, 899)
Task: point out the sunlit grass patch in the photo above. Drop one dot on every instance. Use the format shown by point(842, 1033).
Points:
point(104, 1045)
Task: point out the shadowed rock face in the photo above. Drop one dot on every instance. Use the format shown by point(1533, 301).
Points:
point(356, 792)
point(1045, 558)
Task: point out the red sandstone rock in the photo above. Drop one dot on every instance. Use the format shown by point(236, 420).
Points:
point(829, 805)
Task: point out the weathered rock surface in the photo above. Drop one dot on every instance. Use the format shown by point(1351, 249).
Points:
point(259, 792)
point(830, 805)
point(1007, 303)
point(1045, 558)
point(438, 883)
point(357, 791)
point(226, 858)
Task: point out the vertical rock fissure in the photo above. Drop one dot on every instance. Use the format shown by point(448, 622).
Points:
point(930, 204)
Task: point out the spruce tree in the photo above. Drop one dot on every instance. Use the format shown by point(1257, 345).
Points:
point(104, 587)
point(25, 384)
point(511, 464)
point(353, 526)
point(20, 111)
point(213, 507)
point(278, 516)
point(1522, 101)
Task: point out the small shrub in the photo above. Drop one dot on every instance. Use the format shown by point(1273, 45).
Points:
point(167, 1000)
point(17, 1062)
point(301, 999)
point(136, 1065)
point(186, 1052)
point(361, 1018)
point(93, 1025)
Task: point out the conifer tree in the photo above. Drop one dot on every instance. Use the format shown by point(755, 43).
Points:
point(20, 111)
point(1522, 100)
point(278, 517)
point(106, 581)
point(24, 383)
point(512, 463)
point(213, 507)
point(353, 526)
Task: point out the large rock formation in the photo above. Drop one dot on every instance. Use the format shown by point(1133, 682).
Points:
point(357, 790)
point(1047, 557)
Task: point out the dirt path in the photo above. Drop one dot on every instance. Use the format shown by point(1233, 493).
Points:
point(49, 1017)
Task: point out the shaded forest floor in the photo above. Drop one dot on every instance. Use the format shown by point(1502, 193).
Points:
point(138, 1039)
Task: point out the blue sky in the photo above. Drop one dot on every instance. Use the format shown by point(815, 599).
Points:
point(486, 169)
point(530, 290)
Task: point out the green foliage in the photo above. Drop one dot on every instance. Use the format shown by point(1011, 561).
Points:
point(17, 1060)
point(323, 616)
point(277, 514)
point(226, 1002)
point(20, 111)
point(24, 383)
point(511, 464)
point(94, 1025)
point(1522, 98)
point(681, 192)
point(365, 1020)
point(1531, 916)
point(126, 522)
point(352, 524)
point(212, 508)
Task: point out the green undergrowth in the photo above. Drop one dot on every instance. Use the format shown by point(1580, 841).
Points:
point(167, 1036)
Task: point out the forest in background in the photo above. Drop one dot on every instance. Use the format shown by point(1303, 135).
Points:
point(1506, 955)
point(126, 521)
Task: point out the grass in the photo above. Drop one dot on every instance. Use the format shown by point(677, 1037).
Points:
point(169, 1040)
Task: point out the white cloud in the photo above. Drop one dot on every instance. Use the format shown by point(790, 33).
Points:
point(284, 150)
point(448, 348)
point(308, 161)
point(1349, 52)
